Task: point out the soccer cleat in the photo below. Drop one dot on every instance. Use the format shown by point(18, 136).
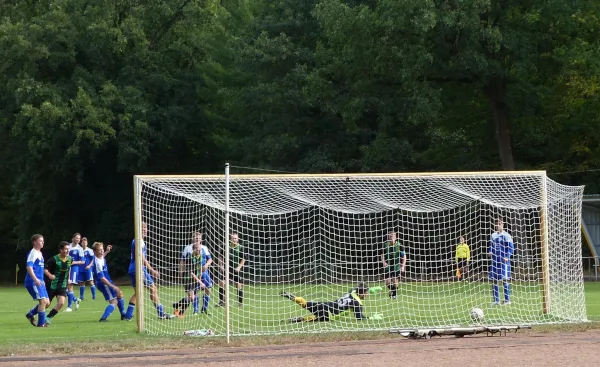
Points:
point(76, 304)
point(31, 319)
point(48, 321)
point(205, 312)
point(495, 303)
point(45, 325)
point(506, 303)
point(290, 296)
point(103, 320)
point(125, 318)
point(177, 313)
point(240, 305)
point(166, 316)
point(68, 309)
point(221, 304)
point(297, 319)
point(393, 297)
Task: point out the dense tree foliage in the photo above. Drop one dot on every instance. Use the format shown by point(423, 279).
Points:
point(94, 92)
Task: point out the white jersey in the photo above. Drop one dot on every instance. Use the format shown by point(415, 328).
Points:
point(189, 249)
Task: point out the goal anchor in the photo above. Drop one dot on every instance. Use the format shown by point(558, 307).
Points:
point(458, 332)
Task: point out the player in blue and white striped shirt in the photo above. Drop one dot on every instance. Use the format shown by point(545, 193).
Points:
point(148, 280)
point(111, 292)
point(34, 281)
point(76, 252)
point(501, 250)
point(86, 273)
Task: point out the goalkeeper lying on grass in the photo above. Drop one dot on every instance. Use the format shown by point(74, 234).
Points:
point(326, 311)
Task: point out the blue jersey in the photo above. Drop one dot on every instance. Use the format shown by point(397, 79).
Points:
point(100, 270)
point(89, 256)
point(132, 258)
point(76, 252)
point(501, 247)
point(35, 260)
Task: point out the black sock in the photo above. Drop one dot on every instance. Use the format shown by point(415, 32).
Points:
point(181, 302)
point(221, 295)
point(240, 295)
point(52, 313)
point(394, 290)
point(185, 302)
point(391, 288)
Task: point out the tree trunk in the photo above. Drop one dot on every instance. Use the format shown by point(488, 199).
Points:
point(495, 92)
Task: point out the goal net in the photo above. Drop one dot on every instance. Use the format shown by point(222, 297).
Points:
point(295, 248)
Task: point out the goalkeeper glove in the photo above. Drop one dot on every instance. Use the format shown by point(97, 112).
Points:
point(376, 316)
point(377, 289)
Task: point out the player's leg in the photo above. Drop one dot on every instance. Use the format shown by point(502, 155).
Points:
point(221, 292)
point(92, 288)
point(81, 287)
point(207, 281)
point(110, 295)
point(154, 297)
point(195, 301)
point(73, 280)
point(505, 282)
point(494, 279)
point(299, 300)
point(240, 289)
point(177, 306)
point(60, 295)
point(131, 306)
point(38, 293)
point(396, 281)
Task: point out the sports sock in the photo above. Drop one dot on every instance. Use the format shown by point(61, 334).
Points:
point(121, 305)
point(41, 318)
point(390, 288)
point(221, 295)
point(33, 311)
point(81, 291)
point(160, 310)
point(52, 313)
point(495, 292)
point(70, 297)
point(130, 310)
point(506, 291)
point(240, 296)
point(205, 301)
point(93, 289)
point(107, 311)
point(195, 303)
point(395, 290)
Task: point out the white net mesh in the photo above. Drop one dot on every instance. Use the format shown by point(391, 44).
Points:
point(317, 236)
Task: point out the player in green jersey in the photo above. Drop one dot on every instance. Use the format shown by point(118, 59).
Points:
point(237, 260)
point(192, 272)
point(393, 258)
point(57, 271)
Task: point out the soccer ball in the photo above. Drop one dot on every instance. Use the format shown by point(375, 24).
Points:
point(477, 314)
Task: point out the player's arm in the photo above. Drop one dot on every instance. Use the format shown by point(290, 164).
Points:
point(383, 259)
point(490, 251)
point(468, 254)
point(29, 268)
point(209, 259)
point(358, 311)
point(403, 268)
point(149, 267)
point(50, 267)
point(242, 262)
point(108, 250)
point(195, 277)
point(511, 248)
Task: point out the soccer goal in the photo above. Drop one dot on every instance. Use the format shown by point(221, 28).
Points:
point(289, 250)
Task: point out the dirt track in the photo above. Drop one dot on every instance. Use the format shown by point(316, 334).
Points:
point(530, 349)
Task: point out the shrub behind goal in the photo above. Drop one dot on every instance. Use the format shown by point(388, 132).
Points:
point(316, 236)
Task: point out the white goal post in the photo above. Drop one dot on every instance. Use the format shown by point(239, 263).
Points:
point(306, 242)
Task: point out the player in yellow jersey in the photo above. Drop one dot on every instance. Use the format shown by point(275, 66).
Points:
point(463, 257)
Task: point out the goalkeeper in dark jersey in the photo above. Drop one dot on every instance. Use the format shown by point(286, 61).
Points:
point(351, 302)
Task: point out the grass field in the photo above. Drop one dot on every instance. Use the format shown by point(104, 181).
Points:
point(266, 312)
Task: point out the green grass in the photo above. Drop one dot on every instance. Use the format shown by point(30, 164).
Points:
point(425, 304)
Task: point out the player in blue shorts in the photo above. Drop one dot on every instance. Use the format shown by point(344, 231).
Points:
point(34, 281)
point(205, 277)
point(86, 273)
point(148, 281)
point(76, 253)
point(501, 250)
point(111, 292)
